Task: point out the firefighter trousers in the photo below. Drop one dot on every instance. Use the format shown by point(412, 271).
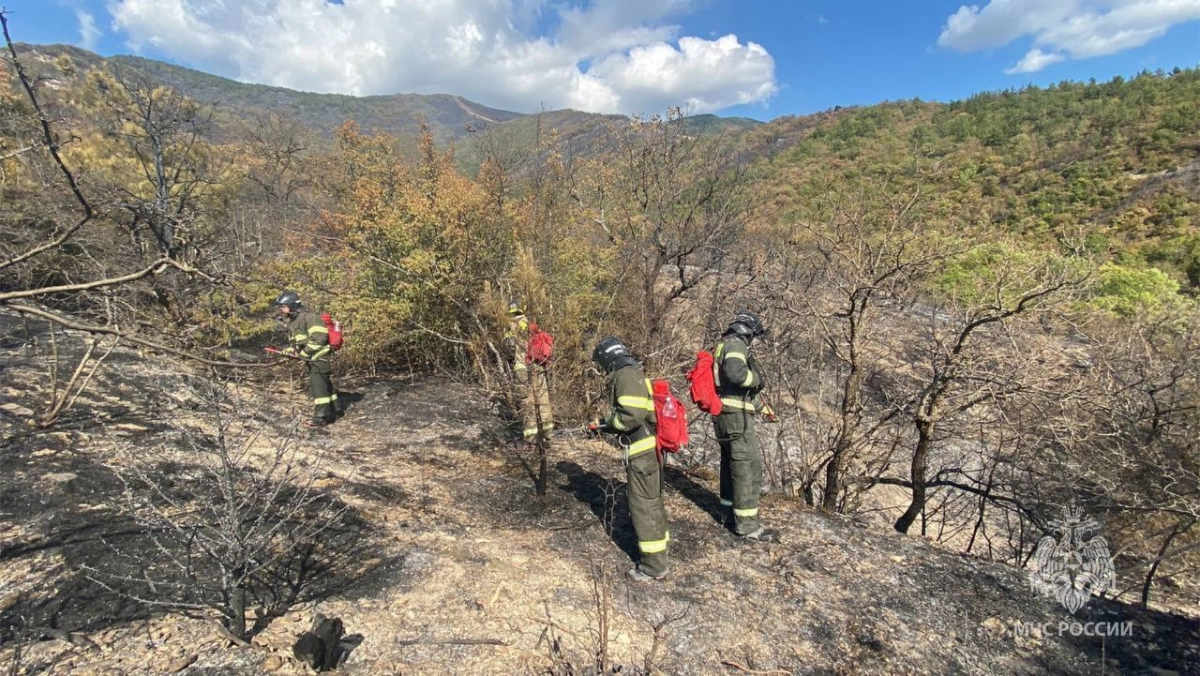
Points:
point(320, 386)
point(741, 468)
point(535, 405)
point(644, 474)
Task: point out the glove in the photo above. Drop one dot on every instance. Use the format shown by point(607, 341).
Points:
point(290, 352)
point(768, 414)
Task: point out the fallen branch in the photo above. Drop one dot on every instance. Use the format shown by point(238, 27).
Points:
point(424, 640)
point(154, 268)
point(228, 635)
point(748, 670)
point(92, 328)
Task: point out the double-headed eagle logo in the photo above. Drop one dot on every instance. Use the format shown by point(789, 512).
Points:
point(1074, 565)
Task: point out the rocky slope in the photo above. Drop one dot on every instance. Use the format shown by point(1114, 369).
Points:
point(446, 562)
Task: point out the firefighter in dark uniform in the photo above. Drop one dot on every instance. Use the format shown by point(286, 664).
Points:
point(739, 384)
point(533, 385)
point(310, 342)
point(631, 418)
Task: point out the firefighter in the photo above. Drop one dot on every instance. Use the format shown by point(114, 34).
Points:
point(739, 383)
point(310, 342)
point(631, 418)
point(532, 384)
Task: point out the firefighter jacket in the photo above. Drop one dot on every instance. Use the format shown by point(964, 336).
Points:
point(631, 409)
point(516, 340)
point(737, 377)
point(309, 336)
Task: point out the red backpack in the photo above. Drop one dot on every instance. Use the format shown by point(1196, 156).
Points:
point(541, 346)
point(703, 385)
point(335, 332)
point(672, 429)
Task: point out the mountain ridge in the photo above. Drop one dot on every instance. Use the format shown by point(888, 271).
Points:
point(450, 117)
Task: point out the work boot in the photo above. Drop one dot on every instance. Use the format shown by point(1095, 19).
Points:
point(763, 535)
point(317, 422)
point(640, 574)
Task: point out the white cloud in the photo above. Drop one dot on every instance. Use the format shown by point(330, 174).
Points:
point(88, 33)
point(1033, 61)
point(1061, 29)
point(600, 55)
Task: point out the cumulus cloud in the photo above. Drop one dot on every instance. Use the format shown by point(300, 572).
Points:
point(1033, 61)
point(88, 33)
point(606, 56)
point(1061, 29)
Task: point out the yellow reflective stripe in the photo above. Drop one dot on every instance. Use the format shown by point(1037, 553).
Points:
point(320, 353)
point(323, 400)
point(529, 431)
point(630, 401)
point(299, 337)
point(333, 397)
point(653, 546)
point(519, 366)
point(726, 503)
point(734, 402)
point(639, 447)
point(745, 512)
point(318, 329)
point(749, 379)
point(736, 355)
point(614, 421)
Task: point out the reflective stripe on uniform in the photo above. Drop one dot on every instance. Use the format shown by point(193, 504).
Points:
point(749, 379)
point(299, 337)
point(614, 421)
point(519, 366)
point(734, 402)
point(642, 445)
point(325, 400)
point(636, 402)
point(319, 353)
point(318, 329)
point(726, 503)
point(745, 512)
point(653, 546)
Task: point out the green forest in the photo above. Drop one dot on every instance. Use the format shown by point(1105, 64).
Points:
point(985, 307)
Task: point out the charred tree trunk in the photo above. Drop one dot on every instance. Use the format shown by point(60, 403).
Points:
point(920, 460)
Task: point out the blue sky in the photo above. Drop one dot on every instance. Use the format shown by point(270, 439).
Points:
point(757, 58)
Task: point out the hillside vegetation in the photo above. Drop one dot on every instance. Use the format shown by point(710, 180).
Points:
point(1111, 168)
point(981, 313)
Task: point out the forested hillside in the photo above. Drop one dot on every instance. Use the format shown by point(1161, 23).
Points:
point(980, 313)
point(1108, 167)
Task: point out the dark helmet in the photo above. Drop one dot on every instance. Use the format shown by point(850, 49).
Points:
point(747, 325)
point(611, 354)
point(289, 298)
point(514, 309)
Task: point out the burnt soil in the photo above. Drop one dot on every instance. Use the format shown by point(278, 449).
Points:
point(445, 561)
